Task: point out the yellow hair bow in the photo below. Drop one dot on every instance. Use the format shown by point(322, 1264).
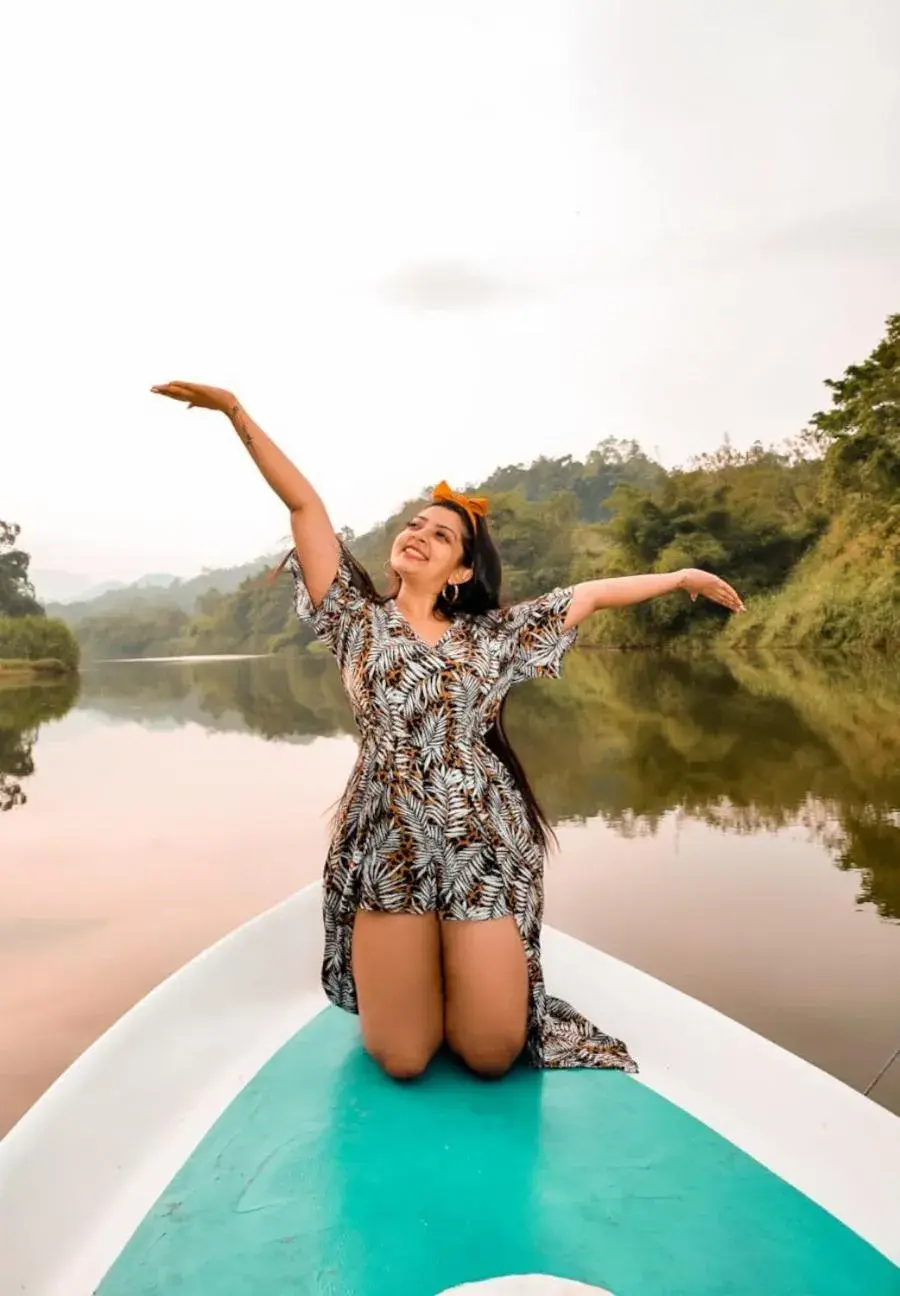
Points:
point(475, 506)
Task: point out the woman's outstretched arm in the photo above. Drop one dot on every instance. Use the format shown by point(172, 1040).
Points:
point(622, 591)
point(314, 537)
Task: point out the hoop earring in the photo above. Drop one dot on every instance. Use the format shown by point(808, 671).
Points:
point(455, 589)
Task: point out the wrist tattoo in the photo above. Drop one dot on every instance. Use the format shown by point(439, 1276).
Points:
point(238, 422)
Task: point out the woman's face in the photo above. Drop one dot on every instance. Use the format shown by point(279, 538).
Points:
point(428, 552)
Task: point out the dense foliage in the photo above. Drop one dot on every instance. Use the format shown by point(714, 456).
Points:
point(16, 591)
point(809, 534)
point(26, 633)
point(846, 591)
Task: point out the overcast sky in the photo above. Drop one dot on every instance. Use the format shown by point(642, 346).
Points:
point(419, 240)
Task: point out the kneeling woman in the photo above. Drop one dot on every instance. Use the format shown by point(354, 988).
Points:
point(433, 888)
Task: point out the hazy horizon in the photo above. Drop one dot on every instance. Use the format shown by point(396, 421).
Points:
point(420, 243)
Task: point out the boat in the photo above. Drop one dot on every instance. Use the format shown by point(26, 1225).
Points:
point(228, 1136)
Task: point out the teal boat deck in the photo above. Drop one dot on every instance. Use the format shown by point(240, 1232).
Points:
point(324, 1177)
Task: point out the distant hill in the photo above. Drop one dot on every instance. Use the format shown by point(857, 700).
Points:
point(60, 587)
point(157, 588)
point(155, 580)
point(94, 591)
point(64, 586)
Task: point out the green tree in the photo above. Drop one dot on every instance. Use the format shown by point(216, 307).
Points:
point(38, 639)
point(845, 590)
point(17, 596)
point(26, 632)
point(862, 428)
point(749, 516)
point(152, 631)
point(535, 540)
point(612, 463)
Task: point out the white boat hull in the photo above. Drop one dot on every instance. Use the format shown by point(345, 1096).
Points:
point(87, 1163)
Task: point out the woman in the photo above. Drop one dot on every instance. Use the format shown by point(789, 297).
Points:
point(433, 888)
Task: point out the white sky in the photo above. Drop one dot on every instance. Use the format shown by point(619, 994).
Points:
point(420, 240)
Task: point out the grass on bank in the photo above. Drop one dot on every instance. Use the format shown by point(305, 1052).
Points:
point(844, 594)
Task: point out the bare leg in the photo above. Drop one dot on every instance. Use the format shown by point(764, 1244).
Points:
point(486, 993)
point(397, 969)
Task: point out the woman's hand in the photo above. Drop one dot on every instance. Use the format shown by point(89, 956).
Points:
point(697, 581)
point(196, 394)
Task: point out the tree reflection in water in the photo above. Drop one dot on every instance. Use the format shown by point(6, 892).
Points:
point(744, 744)
point(23, 709)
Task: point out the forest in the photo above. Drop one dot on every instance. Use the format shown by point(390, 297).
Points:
point(808, 532)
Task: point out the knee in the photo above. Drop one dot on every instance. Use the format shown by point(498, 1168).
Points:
point(402, 1062)
point(489, 1056)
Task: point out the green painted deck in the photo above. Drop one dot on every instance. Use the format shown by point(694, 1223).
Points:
point(325, 1177)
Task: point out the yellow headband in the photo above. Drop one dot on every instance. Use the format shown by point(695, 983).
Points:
point(475, 506)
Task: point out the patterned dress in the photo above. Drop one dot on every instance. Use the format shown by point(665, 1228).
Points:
point(431, 820)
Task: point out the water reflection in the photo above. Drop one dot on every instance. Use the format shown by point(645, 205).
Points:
point(750, 745)
point(705, 811)
point(23, 709)
point(296, 698)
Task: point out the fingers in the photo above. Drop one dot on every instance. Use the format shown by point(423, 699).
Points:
point(737, 603)
point(728, 597)
point(177, 391)
point(719, 591)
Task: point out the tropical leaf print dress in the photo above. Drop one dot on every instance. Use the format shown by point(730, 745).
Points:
point(431, 820)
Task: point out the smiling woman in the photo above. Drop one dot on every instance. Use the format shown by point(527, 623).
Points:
point(433, 896)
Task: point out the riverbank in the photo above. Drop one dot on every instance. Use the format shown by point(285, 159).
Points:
point(38, 647)
point(21, 671)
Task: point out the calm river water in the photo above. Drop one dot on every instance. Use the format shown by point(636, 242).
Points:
point(731, 828)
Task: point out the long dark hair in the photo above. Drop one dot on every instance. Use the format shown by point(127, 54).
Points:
point(474, 597)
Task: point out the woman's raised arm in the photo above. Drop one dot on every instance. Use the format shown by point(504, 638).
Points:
point(317, 545)
point(622, 591)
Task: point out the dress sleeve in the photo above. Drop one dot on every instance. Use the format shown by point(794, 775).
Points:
point(533, 641)
point(342, 609)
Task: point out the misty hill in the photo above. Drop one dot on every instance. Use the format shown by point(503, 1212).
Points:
point(52, 586)
point(57, 587)
point(157, 589)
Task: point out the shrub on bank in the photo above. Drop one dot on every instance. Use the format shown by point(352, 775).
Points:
point(38, 639)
